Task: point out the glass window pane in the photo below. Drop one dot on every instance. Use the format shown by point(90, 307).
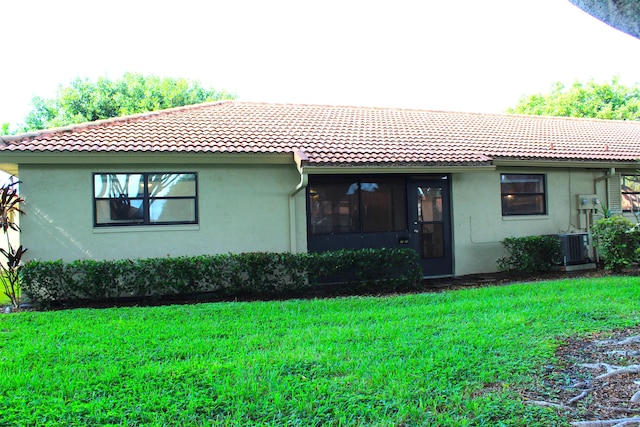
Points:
point(333, 205)
point(383, 205)
point(429, 203)
point(522, 194)
point(115, 185)
point(119, 211)
point(631, 183)
point(172, 185)
point(432, 241)
point(172, 210)
point(516, 183)
point(523, 205)
point(631, 192)
point(123, 199)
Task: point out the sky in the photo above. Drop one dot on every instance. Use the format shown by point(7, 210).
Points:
point(463, 55)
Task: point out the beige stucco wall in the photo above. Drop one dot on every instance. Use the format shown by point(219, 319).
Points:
point(478, 224)
point(247, 208)
point(241, 208)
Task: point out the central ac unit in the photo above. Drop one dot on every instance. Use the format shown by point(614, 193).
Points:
point(574, 248)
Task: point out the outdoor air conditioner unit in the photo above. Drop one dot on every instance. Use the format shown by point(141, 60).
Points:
point(574, 248)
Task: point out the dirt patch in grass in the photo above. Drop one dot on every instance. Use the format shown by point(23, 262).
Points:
point(596, 379)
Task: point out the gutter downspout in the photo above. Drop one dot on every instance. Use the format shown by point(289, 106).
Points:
point(607, 176)
point(299, 157)
point(610, 174)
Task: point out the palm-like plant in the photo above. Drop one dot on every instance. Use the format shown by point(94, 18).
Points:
point(12, 264)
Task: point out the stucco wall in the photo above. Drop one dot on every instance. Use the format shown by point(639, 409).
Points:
point(478, 223)
point(241, 208)
point(246, 208)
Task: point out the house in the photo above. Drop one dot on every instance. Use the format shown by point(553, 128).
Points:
point(238, 176)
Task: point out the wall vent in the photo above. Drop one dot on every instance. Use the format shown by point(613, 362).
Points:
point(574, 248)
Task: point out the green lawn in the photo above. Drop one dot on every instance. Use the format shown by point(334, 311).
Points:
point(448, 359)
point(4, 299)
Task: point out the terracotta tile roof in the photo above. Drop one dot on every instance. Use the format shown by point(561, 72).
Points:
point(334, 135)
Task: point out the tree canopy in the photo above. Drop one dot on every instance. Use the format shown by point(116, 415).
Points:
point(84, 100)
point(591, 99)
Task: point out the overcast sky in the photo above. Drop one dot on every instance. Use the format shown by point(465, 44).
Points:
point(464, 55)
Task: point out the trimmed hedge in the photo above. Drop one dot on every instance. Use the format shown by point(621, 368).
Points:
point(259, 273)
point(531, 254)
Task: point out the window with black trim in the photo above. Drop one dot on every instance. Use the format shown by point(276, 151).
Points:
point(353, 204)
point(145, 198)
point(523, 194)
point(630, 193)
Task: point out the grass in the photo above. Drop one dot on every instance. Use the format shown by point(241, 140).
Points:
point(4, 299)
point(448, 359)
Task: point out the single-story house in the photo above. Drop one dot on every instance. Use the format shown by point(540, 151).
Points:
point(239, 177)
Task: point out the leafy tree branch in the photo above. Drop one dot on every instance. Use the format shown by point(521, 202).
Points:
point(612, 101)
point(84, 100)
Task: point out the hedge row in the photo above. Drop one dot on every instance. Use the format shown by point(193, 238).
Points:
point(47, 282)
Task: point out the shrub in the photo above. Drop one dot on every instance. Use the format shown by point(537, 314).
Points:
point(260, 273)
point(618, 242)
point(530, 254)
point(373, 268)
point(11, 265)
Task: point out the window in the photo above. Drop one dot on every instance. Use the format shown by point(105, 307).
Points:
point(630, 193)
point(357, 204)
point(523, 194)
point(145, 198)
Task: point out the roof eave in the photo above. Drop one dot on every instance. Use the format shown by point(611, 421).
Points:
point(394, 168)
point(107, 158)
point(566, 163)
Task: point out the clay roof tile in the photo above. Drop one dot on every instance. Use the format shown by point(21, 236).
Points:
point(344, 135)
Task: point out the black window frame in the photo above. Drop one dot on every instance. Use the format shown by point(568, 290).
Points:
point(634, 195)
point(514, 195)
point(146, 199)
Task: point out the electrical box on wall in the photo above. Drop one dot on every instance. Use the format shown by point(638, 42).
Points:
point(588, 201)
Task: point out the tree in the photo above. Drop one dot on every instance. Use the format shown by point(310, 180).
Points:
point(85, 101)
point(619, 14)
point(603, 101)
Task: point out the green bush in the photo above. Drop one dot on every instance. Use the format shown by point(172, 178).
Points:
point(530, 254)
point(618, 242)
point(261, 273)
point(396, 269)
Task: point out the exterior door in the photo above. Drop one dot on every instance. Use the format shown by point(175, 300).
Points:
point(430, 225)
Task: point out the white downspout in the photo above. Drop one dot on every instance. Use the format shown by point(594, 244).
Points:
point(610, 174)
point(607, 176)
point(299, 157)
